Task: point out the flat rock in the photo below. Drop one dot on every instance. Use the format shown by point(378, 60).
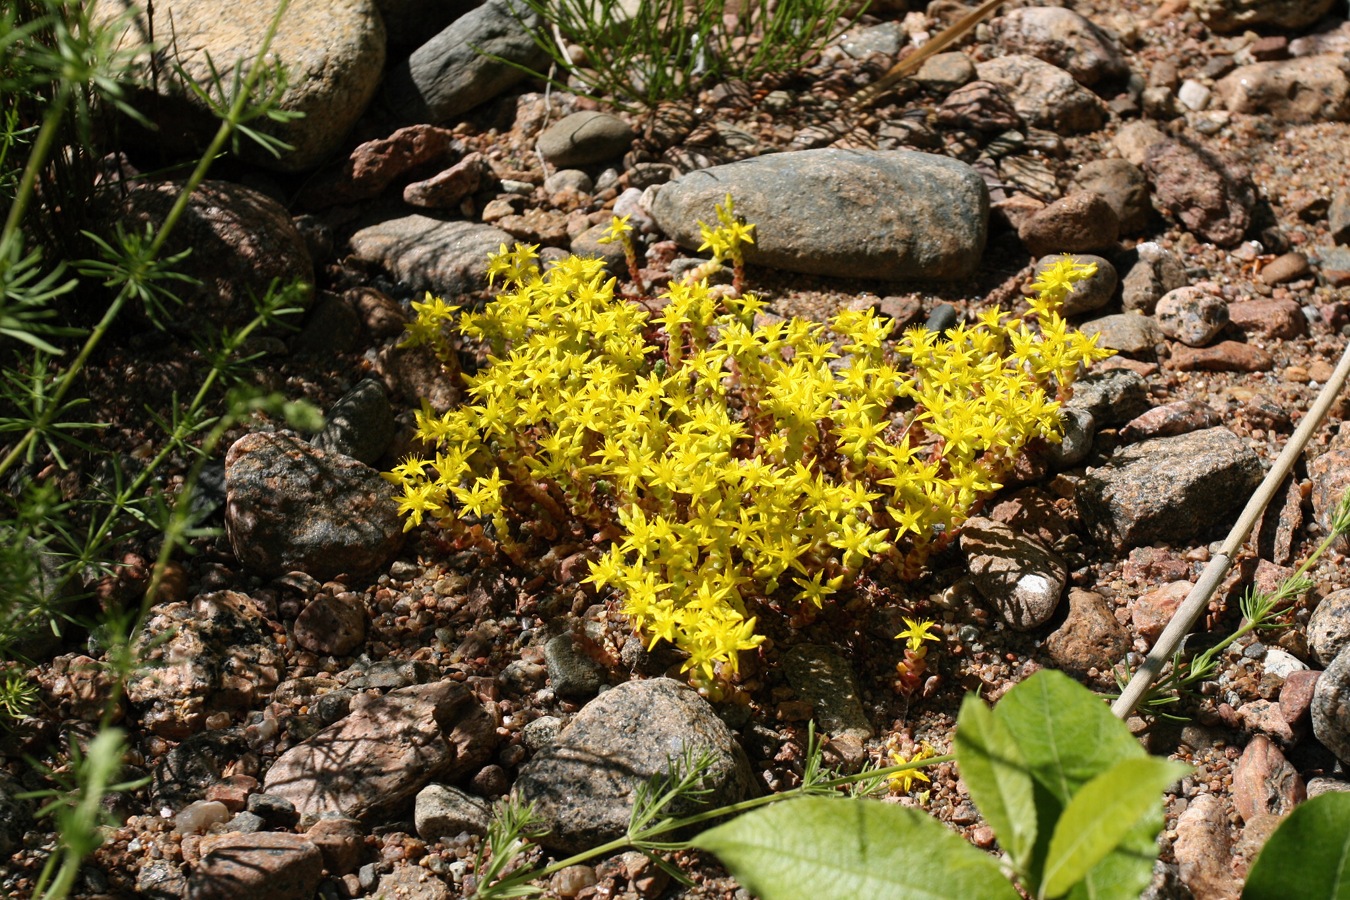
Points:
point(384, 751)
point(583, 785)
point(427, 254)
point(449, 188)
point(289, 506)
point(826, 680)
point(1014, 572)
point(333, 51)
point(267, 865)
point(1169, 489)
point(1062, 38)
point(890, 215)
point(332, 625)
point(1308, 89)
point(1128, 333)
point(1225, 356)
point(1178, 417)
point(1235, 15)
point(1151, 611)
point(1194, 186)
point(1044, 95)
point(1113, 396)
point(214, 654)
point(585, 138)
point(454, 72)
point(1330, 474)
point(1090, 638)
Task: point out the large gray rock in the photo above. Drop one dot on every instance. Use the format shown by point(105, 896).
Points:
point(1235, 15)
point(385, 751)
point(584, 138)
point(1169, 489)
point(1062, 38)
point(333, 52)
point(891, 214)
point(584, 784)
point(360, 424)
point(454, 72)
point(825, 679)
point(444, 257)
point(289, 506)
point(1045, 96)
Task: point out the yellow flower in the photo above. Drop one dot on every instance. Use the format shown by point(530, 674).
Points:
point(901, 782)
point(618, 231)
point(916, 632)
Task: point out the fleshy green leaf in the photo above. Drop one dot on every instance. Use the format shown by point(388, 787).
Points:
point(1101, 815)
point(996, 774)
point(1127, 871)
point(819, 848)
point(1308, 856)
point(1067, 736)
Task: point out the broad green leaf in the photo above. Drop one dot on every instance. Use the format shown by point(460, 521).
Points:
point(1308, 856)
point(996, 774)
point(819, 848)
point(1066, 734)
point(1127, 871)
point(1101, 815)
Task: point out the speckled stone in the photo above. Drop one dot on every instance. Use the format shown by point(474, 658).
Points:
point(885, 214)
point(1169, 489)
point(1014, 572)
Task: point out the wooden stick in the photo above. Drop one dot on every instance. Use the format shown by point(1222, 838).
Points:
point(935, 45)
point(1196, 601)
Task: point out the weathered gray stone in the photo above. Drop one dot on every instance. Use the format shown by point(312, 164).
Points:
point(289, 506)
point(583, 785)
point(1113, 396)
point(443, 811)
point(1045, 95)
point(893, 214)
point(333, 51)
point(1062, 38)
point(454, 72)
point(384, 751)
point(1169, 489)
point(1194, 314)
point(444, 257)
point(1015, 572)
point(1329, 627)
point(584, 138)
point(572, 673)
point(825, 679)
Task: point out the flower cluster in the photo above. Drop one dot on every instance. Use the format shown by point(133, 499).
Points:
point(748, 462)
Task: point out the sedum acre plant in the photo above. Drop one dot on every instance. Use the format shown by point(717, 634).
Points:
point(736, 462)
